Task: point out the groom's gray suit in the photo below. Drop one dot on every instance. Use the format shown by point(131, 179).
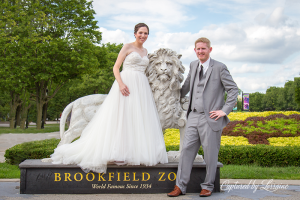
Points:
point(206, 95)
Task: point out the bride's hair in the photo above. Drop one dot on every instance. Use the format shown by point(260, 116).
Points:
point(139, 25)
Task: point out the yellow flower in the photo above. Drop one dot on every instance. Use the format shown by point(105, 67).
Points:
point(284, 141)
point(172, 136)
point(237, 116)
point(234, 140)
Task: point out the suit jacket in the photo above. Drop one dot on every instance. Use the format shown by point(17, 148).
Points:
point(218, 80)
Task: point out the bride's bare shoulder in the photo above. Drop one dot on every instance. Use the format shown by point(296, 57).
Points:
point(128, 48)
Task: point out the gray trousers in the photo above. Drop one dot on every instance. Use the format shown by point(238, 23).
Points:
point(197, 133)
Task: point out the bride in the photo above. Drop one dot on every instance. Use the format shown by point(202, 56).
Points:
point(126, 128)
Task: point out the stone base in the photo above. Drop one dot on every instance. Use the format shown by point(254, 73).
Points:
point(46, 178)
point(174, 156)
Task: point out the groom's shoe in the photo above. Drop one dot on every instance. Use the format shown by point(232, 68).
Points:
point(176, 192)
point(205, 193)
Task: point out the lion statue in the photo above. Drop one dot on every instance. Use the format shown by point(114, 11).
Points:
point(165, 75)
point(82, 111)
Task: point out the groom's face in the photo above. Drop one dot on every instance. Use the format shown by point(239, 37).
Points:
point(202, 51)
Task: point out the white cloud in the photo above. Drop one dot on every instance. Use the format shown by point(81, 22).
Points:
point(239, 42)
point(158, 14)
point(255, 41)
point(250, 85)
point(247, 69)
point(277, 17)
point(116, 36)
point(262, 80)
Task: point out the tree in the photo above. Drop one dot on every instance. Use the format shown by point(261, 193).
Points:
point(56, 41)
point(281, 103)
point(70, 50)
point(101, 80)
point(270, 98)
point(4, 105)
point(256, 101)
point(289, 88)
point(14, 31)
point(297, 90)
point(65, 96)
point(97, 81)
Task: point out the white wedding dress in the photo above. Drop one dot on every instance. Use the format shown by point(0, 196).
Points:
point(124, 129)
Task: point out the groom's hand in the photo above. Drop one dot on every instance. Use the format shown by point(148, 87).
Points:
point(217, 114)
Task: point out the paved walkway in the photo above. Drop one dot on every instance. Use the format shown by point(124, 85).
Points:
point(10, 191)
point(6, 123)
point(11, 139)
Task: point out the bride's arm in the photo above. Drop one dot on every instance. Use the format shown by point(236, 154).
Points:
point(121, 57)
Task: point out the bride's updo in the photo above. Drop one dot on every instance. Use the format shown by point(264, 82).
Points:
point(139, 25)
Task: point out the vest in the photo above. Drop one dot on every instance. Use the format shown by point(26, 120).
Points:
point(197, 101)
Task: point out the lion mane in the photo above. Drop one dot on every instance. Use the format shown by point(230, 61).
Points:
point(165, 75)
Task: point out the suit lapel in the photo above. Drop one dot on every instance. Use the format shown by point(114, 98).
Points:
point(209, 70)
point(193, 75)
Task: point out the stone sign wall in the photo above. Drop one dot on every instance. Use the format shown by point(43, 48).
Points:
point(45, 178)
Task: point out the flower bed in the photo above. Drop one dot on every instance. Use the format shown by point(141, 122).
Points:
point(259, 129)
point(284, 141)
point(231, 140)
point(238, 116)
point(172, 137)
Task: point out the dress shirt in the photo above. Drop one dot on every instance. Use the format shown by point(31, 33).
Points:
point(205, 65)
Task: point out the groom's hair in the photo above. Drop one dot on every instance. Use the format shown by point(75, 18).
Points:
point(204, 40)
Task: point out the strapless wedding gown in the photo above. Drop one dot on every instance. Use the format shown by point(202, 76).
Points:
point(124, 129)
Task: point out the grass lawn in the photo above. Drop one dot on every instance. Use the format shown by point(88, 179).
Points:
point(9, 171)
point(257, 172)
point(227, 172)
point(31, 129)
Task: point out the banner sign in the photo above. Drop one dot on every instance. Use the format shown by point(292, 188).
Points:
point(246, 101)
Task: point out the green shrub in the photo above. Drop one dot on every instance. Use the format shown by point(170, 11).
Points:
point(261, 155)
point(30, 150)
point(172, 148)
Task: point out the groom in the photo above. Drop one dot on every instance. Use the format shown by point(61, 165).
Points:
point(207, 82)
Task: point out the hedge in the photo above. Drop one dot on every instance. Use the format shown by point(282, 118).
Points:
point(262, 155)
point(30, 150)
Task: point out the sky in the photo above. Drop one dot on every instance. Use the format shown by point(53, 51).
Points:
point(258, 40)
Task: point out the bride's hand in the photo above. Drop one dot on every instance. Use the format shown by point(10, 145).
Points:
point(124, 89)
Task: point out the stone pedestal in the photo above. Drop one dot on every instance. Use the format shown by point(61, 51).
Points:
point(46, 178)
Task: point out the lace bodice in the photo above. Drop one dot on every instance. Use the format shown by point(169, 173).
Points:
point(135, 62)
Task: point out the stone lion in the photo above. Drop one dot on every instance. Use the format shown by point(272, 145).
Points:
point(165, 75)
point(83, 110)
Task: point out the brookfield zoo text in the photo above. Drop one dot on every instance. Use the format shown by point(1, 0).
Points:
point(113, 177)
